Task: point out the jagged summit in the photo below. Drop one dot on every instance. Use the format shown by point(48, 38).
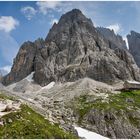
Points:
point(132, 32)
point(73, 16)
point(116, 40)
point(69, 24)
point(73, 49)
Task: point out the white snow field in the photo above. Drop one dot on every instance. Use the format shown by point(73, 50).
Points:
point(89, 134)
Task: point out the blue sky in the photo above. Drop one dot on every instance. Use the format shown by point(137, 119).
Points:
point(22, 21)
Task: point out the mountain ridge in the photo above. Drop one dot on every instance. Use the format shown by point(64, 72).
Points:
point(73, 49)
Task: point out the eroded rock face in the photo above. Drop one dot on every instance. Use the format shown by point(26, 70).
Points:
point(72, 50)
point(110, 124)
point(23, 64)
point(134, 45)
point(75, 49)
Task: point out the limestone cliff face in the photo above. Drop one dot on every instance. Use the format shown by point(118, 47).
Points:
point(134, 45)
point(114, 40)
point(73, 49)
point(23, 64)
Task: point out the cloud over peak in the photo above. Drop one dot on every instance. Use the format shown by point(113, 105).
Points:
point(28, 11)
point(8, 23)
point(45, 5)
point(53, 21)
point(115, 27)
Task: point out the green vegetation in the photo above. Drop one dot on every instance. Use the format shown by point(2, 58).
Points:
point(27, 124)
point(3, 96)
point(125, 101)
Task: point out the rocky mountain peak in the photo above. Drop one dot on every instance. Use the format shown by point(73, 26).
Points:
point(74, 15)
point(72, 50)
point(133, 33)
point(71, 23)
point(115, 39)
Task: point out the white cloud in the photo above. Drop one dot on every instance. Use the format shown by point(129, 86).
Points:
point(54, 21)
point(44, 6)
point(6, 69)
point(8, 47)
point(29, 12)
point(115, 27)
point(8, 23)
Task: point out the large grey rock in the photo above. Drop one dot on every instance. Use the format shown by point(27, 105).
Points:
point(23, 64)
point(134, 45)
point(73, 49)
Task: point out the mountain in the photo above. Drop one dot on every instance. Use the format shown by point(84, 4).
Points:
point(74, 64)
point(73, 49)
point(115, 40)
point(24, 62)
point(134, 45)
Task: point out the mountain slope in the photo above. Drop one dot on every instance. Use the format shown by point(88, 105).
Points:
point(73, 49)
point(114, 116)
point(89, 104)
point(19, 121)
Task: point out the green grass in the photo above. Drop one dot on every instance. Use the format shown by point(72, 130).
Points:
point(3, 96)
point(27, 124)
point(115, 102)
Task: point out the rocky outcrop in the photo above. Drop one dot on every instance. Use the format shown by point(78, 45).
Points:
point(73, 49)
point(112, 115)
point(23, 63)
point(114, 40)
point(134, 45)
point(110, 124)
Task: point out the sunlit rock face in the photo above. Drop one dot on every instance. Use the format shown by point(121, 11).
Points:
point(72, 50)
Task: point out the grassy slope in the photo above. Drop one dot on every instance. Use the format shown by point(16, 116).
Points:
point(116, 102)
point(28, 124)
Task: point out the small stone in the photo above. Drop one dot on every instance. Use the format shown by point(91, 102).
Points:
point(10, 120)
point(8, 108)
point(1, 123)
point(28, 113)
point(129, 100)
point(61, 122)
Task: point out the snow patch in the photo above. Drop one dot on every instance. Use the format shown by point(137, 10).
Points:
point(126, 41)
point(49, 86)
point(30, 77)
point(88, 134)
point(133, 82)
